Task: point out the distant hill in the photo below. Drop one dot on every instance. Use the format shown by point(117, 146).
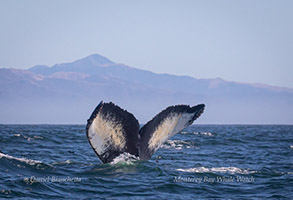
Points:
point(68, 92)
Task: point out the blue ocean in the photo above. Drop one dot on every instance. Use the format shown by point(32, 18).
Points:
point(201, 162)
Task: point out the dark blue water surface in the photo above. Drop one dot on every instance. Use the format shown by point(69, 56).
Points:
point(203, 161)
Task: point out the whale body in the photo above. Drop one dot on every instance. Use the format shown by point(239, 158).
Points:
point(112, 131)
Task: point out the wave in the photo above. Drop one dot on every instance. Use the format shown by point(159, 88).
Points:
point(228, 170)
point(62, 162)
point(24, 160)
point(27, 137)
point(71, 162)
point(197, 133)
point(178, 144)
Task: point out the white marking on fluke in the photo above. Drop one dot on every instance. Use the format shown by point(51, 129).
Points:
point(169, 127)
point(105, 131)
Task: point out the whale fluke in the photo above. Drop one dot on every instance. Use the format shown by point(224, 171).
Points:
point(112, 131)
point(164, 125)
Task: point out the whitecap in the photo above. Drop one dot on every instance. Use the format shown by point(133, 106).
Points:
point(177, 144)
point(291, 146)
point(27, 161)
point(35, 137)
point(63, 162)
point(32, 138)
point(228, 170)
point(38, 137)
point(203, 133)
point(197, 133)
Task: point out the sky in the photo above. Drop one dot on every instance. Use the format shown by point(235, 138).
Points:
point(245, 40)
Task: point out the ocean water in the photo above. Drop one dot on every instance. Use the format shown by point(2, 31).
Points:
point(203, 161)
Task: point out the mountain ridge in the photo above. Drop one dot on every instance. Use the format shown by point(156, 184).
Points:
point(67, 93)
point(95, 58)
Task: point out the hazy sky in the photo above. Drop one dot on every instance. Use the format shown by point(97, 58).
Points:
point(246, 41)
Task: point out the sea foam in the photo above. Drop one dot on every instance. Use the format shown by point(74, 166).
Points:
point(125, 158)
point(228, 170)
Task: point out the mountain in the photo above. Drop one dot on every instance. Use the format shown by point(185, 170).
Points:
point(68, 92)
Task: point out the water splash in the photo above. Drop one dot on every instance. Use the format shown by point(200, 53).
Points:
point(125, 158)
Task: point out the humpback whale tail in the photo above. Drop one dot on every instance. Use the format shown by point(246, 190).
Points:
point(112, 131)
